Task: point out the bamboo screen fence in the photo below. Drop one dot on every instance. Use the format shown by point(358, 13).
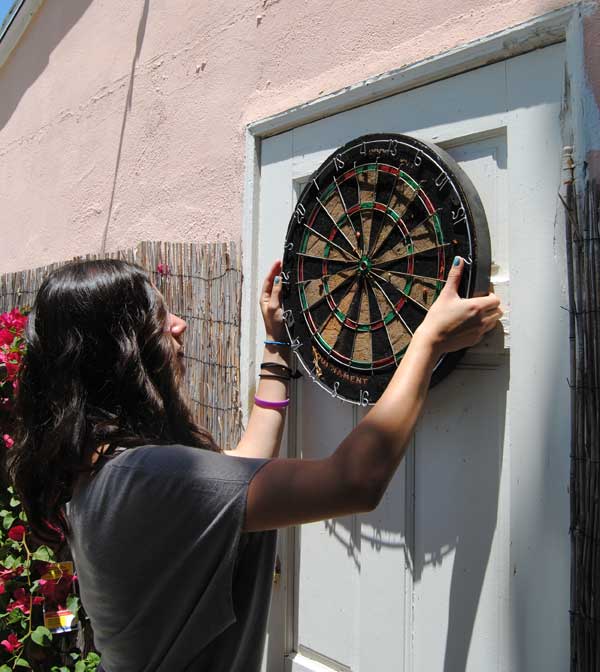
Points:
point(203, 285)
point(583, 255)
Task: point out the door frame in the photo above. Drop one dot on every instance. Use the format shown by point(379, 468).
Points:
point(562, 25)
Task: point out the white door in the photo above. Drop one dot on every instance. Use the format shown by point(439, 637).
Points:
point(465, 563)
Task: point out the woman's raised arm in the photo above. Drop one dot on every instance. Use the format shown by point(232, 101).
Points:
point(353, 479)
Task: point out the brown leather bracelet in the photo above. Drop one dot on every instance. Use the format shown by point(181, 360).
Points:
point(276, 365)
point(273, 375)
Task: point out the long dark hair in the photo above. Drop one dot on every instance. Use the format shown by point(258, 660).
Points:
point(99, 369)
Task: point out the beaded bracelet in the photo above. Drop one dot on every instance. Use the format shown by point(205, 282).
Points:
point(264, 403)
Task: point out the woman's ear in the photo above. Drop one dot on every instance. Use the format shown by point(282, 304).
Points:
point(178, 325)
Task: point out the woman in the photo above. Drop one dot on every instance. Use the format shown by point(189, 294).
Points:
point(173, 538)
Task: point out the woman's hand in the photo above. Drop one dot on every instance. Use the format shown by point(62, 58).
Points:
point(270, 303)
point(454, 323)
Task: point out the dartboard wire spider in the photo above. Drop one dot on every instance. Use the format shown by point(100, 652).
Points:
point(408, 296)
point(339, 191)
point(360, 281)
point(319, 258)
point(374, 200)
point(328, 240)
point(401, 213)
point(327, 275)
point(413, 254)
point(416, 226)
point(337, 226)
point(364, 285)
point(410, 275)
point(349, 280)
point(356, 305)
point(333, 315)
point(387, 298)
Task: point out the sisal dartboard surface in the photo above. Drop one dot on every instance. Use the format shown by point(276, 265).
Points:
point(367, 252)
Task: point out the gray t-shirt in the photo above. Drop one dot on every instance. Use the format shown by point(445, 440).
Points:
point(166, 575)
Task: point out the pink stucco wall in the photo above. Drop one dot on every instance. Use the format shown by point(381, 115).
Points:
point(129, 116)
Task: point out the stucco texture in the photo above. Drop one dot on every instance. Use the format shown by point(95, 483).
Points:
point(126, 120)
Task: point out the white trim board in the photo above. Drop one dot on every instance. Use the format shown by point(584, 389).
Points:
point(550, 28)
point(536, 33)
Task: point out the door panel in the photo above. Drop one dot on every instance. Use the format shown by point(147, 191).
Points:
point(328, 556)
point(465, 563)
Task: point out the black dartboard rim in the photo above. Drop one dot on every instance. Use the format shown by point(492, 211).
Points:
point(390, 150)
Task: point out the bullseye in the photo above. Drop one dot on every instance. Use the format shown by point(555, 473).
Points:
point(367, 253)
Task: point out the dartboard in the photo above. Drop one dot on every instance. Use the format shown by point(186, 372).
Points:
point(367, 252)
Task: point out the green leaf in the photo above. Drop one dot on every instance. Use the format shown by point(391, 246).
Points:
point(5, 668)
point(11, 489)
point(4, 512)
point(22, 663)
point(72, 603)
point(80, 666)
point(14, 502)
point(23, 516)
point(42, 553)
point(15, 616)
point(8, 521)
point(42, 636)
point(9, 562)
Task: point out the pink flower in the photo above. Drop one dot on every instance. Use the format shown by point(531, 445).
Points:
point(13, 320)
point(8, 574)
point(6, 337)
point(163, 269)
point(16, 533)
point(23, 600)
point(11, 361)
point(8, 441)
point(57, 590)
point(11, 643)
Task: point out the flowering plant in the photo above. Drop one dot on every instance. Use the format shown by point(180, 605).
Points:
point(32, 583)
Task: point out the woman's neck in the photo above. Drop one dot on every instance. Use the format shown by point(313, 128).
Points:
point(96, 453)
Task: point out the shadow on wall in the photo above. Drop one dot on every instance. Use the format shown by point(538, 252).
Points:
point(128, 103)
point(458, 458)
point(32, 53)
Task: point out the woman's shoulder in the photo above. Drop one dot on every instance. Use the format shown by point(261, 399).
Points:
point(185, 462)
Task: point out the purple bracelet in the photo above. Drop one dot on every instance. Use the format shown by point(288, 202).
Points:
point(271, 404)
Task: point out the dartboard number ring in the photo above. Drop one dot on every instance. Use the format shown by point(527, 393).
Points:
point(367, 252)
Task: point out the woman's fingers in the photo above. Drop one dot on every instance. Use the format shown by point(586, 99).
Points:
point(454, 276)
point(267, 287)
point(490, 320)
point(485, 304)
point(275, 300)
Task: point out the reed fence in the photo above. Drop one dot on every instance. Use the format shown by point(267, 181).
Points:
point(202, 283)
point(583, 259)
